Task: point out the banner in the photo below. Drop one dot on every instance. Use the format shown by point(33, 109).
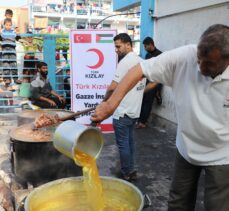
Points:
point(93, 63)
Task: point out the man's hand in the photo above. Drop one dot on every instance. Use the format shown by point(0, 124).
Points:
point(102, 111)
point(61, 99)
point(51, 102)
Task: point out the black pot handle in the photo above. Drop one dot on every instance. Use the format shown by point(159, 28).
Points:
point(94, 124)
point(147, 201)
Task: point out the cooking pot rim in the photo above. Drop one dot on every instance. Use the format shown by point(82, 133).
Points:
point(82, 178)
point(39, 111)
point(14, 138)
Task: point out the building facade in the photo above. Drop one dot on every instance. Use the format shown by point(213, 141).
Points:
point(180, 23)
point(81, 14)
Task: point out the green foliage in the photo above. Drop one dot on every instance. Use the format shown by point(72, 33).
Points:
point(62, 43)
point(38, 40)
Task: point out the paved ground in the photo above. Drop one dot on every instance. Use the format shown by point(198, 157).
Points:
point(155, 155)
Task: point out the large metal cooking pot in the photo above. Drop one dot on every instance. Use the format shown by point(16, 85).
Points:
point(28, 116)
point(36, 161)
point(68, 194)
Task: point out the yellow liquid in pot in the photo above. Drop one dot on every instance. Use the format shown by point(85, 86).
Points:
point(70, 203)
point(86, 196)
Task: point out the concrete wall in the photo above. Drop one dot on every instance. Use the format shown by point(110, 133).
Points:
point(182, 23)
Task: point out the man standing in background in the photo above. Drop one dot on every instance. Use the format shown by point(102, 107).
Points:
point(128, 111)
point(153, 88)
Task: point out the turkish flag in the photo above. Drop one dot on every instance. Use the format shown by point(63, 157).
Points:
point(82, 38)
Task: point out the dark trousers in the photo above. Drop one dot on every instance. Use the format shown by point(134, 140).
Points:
point(147, 102)
point(185, 182)
point(68, 101)
point(146, 108)
point(44, 104)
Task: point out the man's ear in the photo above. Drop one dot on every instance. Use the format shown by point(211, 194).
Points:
point(129, 46)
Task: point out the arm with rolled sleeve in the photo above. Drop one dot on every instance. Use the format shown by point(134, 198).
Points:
point(168, 67)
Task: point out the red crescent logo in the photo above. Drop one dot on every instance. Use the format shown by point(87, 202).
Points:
point(101, 58)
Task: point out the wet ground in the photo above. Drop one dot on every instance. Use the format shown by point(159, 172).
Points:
point(155, 155)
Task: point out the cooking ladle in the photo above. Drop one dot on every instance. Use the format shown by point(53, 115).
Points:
point(61, 119)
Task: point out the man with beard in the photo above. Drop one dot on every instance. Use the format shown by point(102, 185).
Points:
point(128, 111)
point(199, 77)
point(42, 94)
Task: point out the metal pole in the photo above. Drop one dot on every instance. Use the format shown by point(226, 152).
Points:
point(50, 57)
point(129, 13)
point(147, 23)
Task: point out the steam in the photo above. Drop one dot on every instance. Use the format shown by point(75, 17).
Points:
point(41, 163)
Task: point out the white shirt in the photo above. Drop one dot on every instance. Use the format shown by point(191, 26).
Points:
point(131, 103)
point(202, 105)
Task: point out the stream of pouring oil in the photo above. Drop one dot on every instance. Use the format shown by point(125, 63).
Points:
point(97, 199)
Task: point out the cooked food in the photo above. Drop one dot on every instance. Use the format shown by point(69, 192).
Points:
point(26, 133)
point(46, 120)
